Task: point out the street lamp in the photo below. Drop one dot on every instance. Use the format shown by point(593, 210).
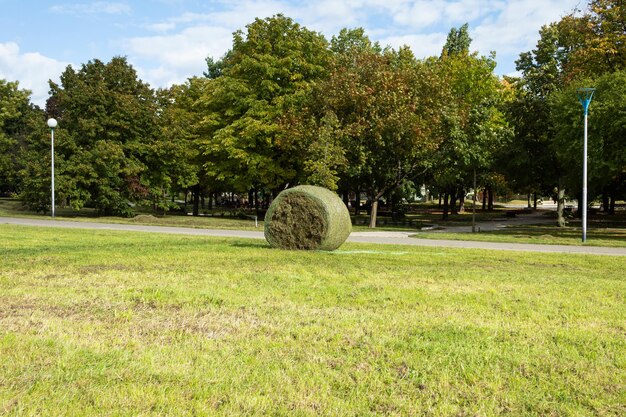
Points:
point(52, 123)
point(585, 95)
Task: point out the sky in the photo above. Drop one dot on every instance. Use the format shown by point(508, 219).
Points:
point(167, 41)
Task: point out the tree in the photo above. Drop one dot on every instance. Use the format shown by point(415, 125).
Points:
point(528, 163)
point(15, 113)
point(473, 126)
point(270, 69)
point(610, 137)
point(543, 72)
point(107, 121)
point(176, 148)
point(312, 124)
point(458, 41)
point(607, 130)
point(569, 50)
point(382, 104)
point(595, 41)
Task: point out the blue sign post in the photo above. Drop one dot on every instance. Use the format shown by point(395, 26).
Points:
point(585, 95)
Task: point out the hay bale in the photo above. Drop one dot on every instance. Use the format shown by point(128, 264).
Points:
point(307, 217)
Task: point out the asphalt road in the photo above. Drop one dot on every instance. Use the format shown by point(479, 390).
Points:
point(385, 238)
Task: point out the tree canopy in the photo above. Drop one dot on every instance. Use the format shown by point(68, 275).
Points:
point(284, 106)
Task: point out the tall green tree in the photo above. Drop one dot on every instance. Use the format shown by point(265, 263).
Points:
point(596, 40)
point(16, 115)
point(176, 148)
point(528, 163)
point(458, 41)
point(328, 156)
point(576, 47)
point(535, 152)
point(382, 101)
point(107, 122)
point(607, 132)
point(472, 121)
point(271, 69)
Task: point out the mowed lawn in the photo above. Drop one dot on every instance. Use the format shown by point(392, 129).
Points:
point(122, 323)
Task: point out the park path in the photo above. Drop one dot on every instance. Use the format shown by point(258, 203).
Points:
point(386, 238)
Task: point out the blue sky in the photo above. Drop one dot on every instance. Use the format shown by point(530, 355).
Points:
point(167, 40)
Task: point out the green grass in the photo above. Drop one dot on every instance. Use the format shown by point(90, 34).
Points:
point(547, 235)
point(122, 323)
point(603, 230)
point(14, 208)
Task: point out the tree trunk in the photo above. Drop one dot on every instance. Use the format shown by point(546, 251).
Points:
point(453, 208)
point(210, 201)
point(484, 199)
point(439, 205)
point(490, 203)
point(474, 204)
point(535, 200)
point(605, 201)
point(373, 213)
point(461, 200)
point(560, 205)
point(196, 200)
point(445, 206)
point(528, 199)
point(612, 204)
point(357, 202)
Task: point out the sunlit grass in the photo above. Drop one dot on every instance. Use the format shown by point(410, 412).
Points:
point(125, 323)
point(547, 235)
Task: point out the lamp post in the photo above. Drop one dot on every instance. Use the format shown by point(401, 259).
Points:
point(584, 96)
point(52, 123)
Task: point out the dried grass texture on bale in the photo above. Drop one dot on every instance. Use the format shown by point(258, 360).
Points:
point(307, 217)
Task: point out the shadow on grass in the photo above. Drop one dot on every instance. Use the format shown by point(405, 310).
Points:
point(607, 233)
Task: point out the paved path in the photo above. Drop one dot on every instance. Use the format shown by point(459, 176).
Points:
point(387, 238)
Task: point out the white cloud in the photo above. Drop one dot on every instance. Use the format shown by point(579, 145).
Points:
point(175, 48)
point(33, 70)
point(178, 56)
point(420, 13)
point(162, 27)
point(97, 7)
point(515, 29)
point(422, 45)
point(329, 16)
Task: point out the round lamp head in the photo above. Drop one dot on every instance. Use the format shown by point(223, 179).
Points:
point(52, 123)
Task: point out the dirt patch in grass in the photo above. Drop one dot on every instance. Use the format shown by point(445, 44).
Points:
point(97, 269)
point(127, 321)
point(146, 218)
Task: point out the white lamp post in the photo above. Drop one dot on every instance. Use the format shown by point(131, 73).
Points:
point(52, 123)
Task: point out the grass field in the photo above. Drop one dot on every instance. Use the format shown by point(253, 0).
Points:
point(122, 323)
point(14, 208)
point(603, 230)
point(538, 234)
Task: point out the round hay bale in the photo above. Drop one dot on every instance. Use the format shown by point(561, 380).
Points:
point(307, 217)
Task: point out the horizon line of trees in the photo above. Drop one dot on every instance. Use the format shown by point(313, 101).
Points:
point(285, 106)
